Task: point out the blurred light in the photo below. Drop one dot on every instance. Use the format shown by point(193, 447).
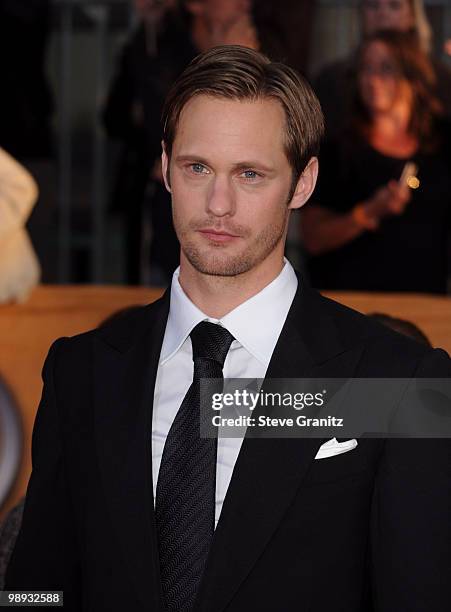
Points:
point(413, 182)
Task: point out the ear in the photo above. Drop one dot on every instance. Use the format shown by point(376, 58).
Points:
point(165, 167)
point(306, 184)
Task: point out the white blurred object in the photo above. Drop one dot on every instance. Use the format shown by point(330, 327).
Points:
point(19, 267)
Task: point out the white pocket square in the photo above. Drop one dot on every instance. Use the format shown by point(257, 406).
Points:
point(333, 447)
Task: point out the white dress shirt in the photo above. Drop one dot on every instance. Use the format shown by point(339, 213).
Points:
point(256, 325)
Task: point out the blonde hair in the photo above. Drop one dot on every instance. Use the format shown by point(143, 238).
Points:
point(238, 73)
point(422, 25)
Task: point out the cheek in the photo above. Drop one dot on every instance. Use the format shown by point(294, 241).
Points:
point(265, 206)
point(187, 201)
point(185, 187)
point(391, 91)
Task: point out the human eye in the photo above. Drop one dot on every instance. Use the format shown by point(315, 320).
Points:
point(250, 175)
point(197, 169)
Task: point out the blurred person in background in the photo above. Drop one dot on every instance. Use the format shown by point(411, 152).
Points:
point(365, 229)
point(333, 84)
point(402, 326)
point(169, 35)
point(292, 20)
point(26, 102)
point(19, 267)
point(26, 108)
point(146, 63)
point(9, 528)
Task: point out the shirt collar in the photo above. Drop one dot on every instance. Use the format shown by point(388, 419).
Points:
point(255, 324)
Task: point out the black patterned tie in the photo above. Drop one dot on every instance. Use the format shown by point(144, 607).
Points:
point(185, 498)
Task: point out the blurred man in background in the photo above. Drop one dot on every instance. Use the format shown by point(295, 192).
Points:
point(169, 35)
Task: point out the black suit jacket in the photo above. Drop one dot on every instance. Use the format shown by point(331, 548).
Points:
point(365, 530)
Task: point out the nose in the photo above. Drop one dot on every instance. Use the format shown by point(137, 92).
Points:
point(221, 198)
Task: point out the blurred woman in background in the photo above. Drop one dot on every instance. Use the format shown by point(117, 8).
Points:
point(366, 227)
point(332, 85)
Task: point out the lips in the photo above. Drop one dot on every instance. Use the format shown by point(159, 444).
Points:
point(216, 235)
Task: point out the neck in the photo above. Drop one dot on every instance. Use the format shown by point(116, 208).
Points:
point(394, 123)
point(390, 134)
point(390, 125)
point(218, 295)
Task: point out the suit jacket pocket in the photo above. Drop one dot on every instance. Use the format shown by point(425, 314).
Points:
point(337, 467)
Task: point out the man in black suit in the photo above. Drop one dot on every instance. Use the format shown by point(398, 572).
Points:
point(128, 507)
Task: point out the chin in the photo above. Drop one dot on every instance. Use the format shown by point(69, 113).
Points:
point(218, 265)
point(234, 259)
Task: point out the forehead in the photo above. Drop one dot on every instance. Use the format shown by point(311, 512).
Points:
point(230, 127)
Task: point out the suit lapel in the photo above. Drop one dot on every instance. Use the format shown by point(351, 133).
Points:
point(268, 472)
point(126, 362)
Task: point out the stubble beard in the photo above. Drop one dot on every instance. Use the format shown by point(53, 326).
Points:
point(214, 260)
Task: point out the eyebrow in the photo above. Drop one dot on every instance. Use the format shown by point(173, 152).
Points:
point(242, 165)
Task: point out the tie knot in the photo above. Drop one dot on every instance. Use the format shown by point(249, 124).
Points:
point(211, 341)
